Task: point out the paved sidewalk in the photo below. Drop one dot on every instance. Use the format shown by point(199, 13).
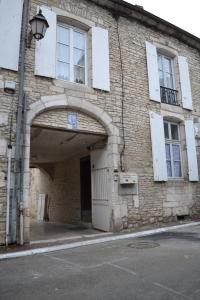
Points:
point(90, 240)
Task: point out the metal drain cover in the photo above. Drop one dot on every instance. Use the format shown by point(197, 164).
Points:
point(143, 245)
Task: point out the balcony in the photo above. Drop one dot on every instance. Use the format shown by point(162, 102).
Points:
point(168, 96)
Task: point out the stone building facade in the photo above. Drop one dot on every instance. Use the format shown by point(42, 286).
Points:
point(106, 105)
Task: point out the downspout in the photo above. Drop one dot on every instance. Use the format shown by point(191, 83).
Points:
point(21, 204)
point(20, 108)
point(9, 155)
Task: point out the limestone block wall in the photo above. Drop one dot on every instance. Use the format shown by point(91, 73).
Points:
point(35, 179)
point(40, 184)
point(7, 133)
point(58, 118)
point(63, 189)
point(65, 197)
point(155, 201)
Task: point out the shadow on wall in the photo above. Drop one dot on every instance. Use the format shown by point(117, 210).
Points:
point(40, 194)
point(55, 192)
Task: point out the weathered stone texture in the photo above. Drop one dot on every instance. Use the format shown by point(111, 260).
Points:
point(63, 189)
point(58, 118)
point(156, 201)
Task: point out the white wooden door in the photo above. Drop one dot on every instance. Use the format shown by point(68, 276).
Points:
point(101, 188)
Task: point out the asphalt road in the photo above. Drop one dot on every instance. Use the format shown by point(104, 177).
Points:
point(164, 267)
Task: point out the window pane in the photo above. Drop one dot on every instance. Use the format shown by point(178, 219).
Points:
point(165, 71)
point(176, 152)
point(169, 80)
point(166, 129)
point(160, 63)
point(79, 57)
point(63, 35)
point(177, 169)
point(79, 40)
point(63, 53)
point(62, 71)
point(174, 132)
point(169, 169)
point(167, 65)
point(79, 74)
point(161, 78)
point(167, 150)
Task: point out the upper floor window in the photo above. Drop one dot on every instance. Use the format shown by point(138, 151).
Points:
point(71, 54)
point(66, 48)
point(166, 78)
point(172, 148)
point(165, 71)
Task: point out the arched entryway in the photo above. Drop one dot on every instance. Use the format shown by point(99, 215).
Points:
point(103, 157)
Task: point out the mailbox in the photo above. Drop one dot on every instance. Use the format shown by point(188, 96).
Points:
point(128, 178)
point(9, 86)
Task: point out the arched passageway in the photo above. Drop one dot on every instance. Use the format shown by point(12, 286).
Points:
point(77, 146)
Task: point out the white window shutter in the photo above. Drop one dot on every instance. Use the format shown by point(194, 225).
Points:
point(191, 151)
point(153, 76)
point(158, 147)
point(10, 31)
point(185, 82)
point(100, 59)
point(45, 51)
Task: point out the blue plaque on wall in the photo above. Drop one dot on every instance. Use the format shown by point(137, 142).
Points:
point(72, 119)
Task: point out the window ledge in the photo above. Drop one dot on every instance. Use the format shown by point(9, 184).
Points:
point(73, 86)
point(175, 178)
point(172, 108)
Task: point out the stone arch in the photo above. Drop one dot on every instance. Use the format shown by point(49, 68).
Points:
point(62, 101)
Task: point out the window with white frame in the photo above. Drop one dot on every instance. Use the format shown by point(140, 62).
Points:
point(172, 148)
point(71, 54)
point(165, 71)
point(168, 94)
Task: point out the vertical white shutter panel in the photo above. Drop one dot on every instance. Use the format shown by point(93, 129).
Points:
point(10, 30)
point(100, 59)
point(185, 83)
point(158, 147)
point(45, 52)
point(191, 151)
point(153, 76)
point(101, 190)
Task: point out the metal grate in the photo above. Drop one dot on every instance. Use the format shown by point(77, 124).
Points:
point(143, 245)
point(168, 96)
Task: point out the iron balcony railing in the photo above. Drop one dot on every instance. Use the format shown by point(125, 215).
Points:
point(168, 96)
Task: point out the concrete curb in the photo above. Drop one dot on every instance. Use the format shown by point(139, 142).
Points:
point(93, 242)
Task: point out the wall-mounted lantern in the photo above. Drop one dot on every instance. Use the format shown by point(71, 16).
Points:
point(39, 26)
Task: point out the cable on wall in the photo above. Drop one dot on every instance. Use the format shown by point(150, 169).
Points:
point(116, 16)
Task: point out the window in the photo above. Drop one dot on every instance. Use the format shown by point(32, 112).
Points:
point(71, 54)
point(172, 148)
point(168, 93)
point(165, 71)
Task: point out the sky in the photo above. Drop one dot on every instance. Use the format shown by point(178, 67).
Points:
point(182, 13)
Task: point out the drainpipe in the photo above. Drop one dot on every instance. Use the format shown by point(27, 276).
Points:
point(21, 203)
point(21, 224)
point(16, 200)
point(9, 155)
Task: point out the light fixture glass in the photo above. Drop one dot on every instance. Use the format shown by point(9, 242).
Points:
point(39, 26)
